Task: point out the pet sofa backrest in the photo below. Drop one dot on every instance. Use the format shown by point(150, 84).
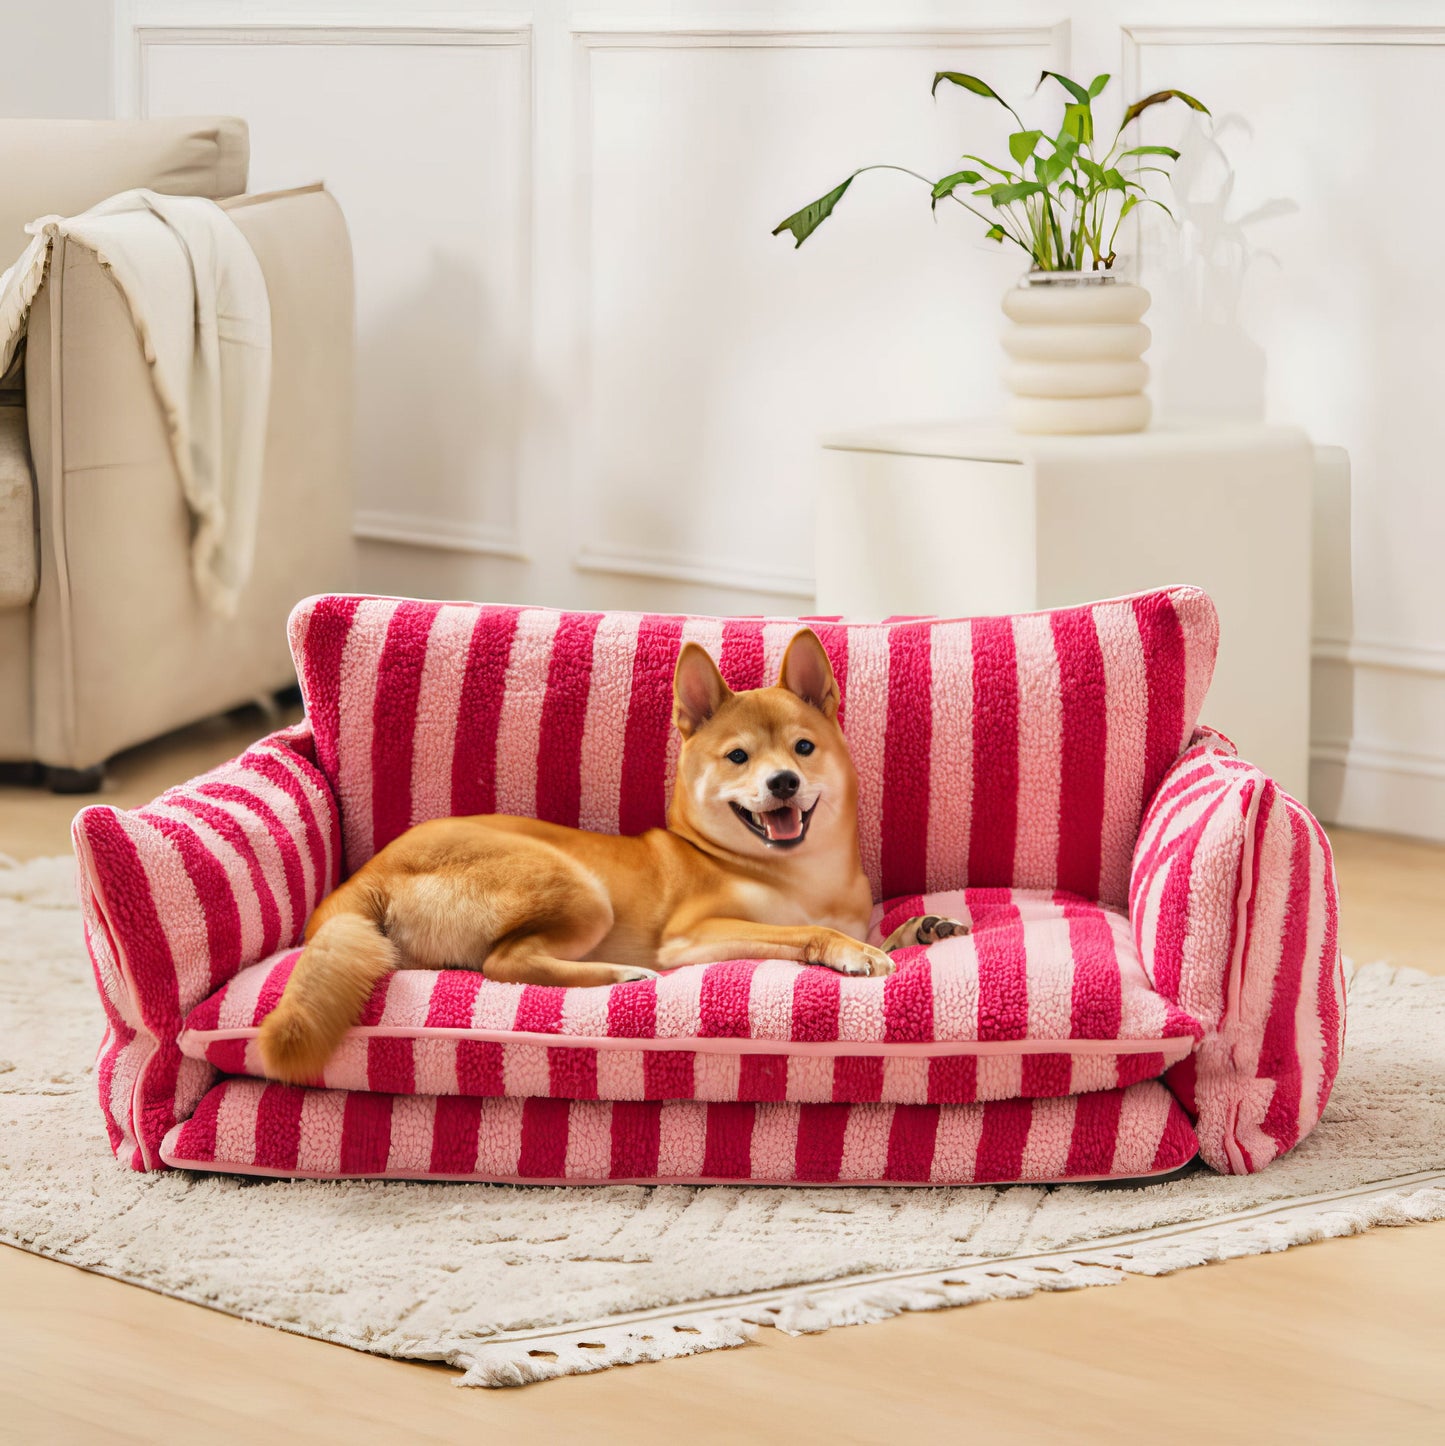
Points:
point(1017, 751)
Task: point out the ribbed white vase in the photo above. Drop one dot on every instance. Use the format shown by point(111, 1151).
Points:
point(1074, 339)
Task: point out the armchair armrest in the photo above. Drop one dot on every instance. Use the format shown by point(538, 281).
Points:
point(1234, 908)
point(123, 648)
point(177, 897)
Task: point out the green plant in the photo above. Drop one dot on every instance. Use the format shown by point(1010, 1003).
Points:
point(1075, 197)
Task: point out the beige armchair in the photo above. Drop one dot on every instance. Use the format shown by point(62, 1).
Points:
point(103, 640)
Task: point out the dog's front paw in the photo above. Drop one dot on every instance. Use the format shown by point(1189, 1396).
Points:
point(860, 961)
point(925, 929)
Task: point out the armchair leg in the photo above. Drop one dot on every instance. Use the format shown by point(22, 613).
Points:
point(75, 780)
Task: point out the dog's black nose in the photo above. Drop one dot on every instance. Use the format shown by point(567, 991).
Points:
point(784, 784)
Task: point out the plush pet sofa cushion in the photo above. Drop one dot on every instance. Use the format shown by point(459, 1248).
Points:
point(994, 755)
point(1046, 997)
point(1233, 902)
point(999, 752)
point(255, 1128)
point(177, 897)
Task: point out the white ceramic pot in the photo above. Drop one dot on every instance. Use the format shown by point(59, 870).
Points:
point(1074, 339)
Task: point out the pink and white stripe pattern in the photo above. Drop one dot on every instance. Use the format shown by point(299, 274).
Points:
point(250, 1127)
point(1236, 911)
point(179, 896)
point(1006, 766)
point(1045, 997)
point(998, 752)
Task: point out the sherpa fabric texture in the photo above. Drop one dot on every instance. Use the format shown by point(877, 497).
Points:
point(1016, 752)
point(1047, 765)
point(1045, 997)
point(273, 1129)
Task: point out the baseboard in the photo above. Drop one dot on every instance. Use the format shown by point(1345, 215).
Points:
point(1377, 755)
point(412, 530)
point(1381, 789)
point(704, 572)
point(1367, 653)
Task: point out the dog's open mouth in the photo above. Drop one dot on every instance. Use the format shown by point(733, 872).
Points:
point(784, 827)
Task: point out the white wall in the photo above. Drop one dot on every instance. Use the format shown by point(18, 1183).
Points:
point(55, 58)
point(590, 376)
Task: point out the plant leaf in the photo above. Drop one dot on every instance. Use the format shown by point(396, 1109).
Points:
point(949, 184)
point(1079, 122)
point(989, 166)
point(968, 82)
point(1141, 201)
point(1113, 180)
point(1021, 144)
point(1072, 86)
point(1158, 98)
point(1007, 195)
point(1096, 86)
point(803, 223)
point(1151, 151)
point(1050, 168)
point(1092, 169)
point(996, 233)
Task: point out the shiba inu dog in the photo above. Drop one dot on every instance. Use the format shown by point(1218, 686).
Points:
point(759, 860)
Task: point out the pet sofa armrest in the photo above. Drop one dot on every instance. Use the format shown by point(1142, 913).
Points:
point(181, 894)
point(1234, 908)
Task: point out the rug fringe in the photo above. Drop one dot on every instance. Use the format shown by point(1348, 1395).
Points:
point(816, 1309)
point(575, 1353)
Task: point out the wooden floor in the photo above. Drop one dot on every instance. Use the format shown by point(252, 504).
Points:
point(1338, 1341)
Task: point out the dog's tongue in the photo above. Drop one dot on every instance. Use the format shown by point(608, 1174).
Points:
point(783, 823)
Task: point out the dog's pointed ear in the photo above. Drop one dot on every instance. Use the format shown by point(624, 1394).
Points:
point(698, 690)
point(807, 672)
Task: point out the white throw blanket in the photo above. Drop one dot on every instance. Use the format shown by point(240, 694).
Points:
point(198, 301)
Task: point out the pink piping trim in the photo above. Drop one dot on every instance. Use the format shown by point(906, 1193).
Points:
point(1170, 590)
point(1173, 1047)
point(1244, 893)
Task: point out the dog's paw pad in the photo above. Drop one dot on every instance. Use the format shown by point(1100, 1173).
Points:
point(932, 928)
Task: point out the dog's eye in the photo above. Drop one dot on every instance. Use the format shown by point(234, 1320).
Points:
point(738, 755)
point(804, 746)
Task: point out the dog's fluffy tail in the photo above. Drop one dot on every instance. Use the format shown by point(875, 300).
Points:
point(343, 959)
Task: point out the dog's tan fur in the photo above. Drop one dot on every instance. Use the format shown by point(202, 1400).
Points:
point(537, 903)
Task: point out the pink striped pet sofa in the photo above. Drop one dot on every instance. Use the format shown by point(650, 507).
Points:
point(1153, 970)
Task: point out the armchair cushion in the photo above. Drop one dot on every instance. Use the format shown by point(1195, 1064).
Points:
point(62, 167)
point(18, 573)
point(1235, 911)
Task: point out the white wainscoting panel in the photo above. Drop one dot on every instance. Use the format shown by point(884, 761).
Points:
point(424, 137)
point(716, 353)
point(1298, 288)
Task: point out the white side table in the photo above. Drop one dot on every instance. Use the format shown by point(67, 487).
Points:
point(960, 519)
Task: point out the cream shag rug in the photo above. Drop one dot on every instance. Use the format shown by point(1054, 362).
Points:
point(515, 1284)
